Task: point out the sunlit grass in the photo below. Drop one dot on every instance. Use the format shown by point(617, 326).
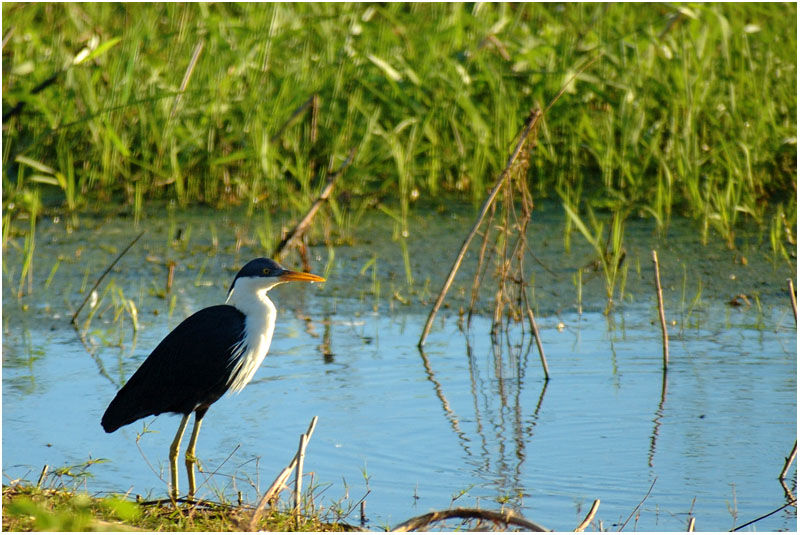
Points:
point(690, 110)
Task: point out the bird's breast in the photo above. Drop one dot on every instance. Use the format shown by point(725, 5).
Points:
point(250, 353)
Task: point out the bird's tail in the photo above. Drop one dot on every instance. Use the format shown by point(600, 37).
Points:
point(122, 411)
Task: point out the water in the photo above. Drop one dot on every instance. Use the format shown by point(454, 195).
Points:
point(466, 422)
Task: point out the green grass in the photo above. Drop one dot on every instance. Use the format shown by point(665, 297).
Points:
point(30, 508)
point(690, 110)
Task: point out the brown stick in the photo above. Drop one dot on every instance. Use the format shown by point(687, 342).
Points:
point(298, 478)
point(312, 101)
point(301, 227)
point(589, 516)
point(535, 330)
point(639, 505)
point(100, 279)
point(277, 485)
point(198, 48)
point(793, 298)
point(788, 462)
point(664, 335)
point(533, 119)
point(42, 475)
point(501, 517)
point(170, 274)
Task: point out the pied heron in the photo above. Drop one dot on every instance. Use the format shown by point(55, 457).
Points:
point(211, 352)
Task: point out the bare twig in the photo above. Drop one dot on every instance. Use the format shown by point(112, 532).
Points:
point(762, 517)
point(476, 282)
point(788, 462)
point(793, 298)
point(170, 275)
point(589, 516)
point(533, 119)
point(298, 478)
point(535, 330)
point(100, 279)
point(277, 485)
point(664, 335)
point(499, 517)
point(690, 528)
point(42, 475)
point(639, 505)
point(187, 75)
point(300, 228)
point(312, 101)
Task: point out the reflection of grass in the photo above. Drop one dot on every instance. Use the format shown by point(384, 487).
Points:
point(690, 110)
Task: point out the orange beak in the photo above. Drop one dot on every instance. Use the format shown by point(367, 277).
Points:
point(289, 276)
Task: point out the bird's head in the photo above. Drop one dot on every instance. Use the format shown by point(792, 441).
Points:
point(262, 274)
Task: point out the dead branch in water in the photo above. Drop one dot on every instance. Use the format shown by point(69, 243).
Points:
point(532, 121)
point(506, 518)
point(102, 276)
point(653, 484)
point(788, 462)
point(509, 259)
point(793, 298)
point(297, 232)
point(659, 294)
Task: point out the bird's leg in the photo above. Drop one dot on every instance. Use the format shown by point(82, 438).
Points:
point(191, 459)
point(173, 455)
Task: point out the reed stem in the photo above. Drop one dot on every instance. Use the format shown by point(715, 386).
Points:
point(659, 294)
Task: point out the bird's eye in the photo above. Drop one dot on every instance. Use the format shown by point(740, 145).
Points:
point(265, 271)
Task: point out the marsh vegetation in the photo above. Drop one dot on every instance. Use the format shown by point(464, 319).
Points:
point(213, 128)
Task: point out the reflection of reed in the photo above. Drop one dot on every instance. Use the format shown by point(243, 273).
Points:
point(509, 394)
point(657, 419)
point(449, 413)
point(325, 346)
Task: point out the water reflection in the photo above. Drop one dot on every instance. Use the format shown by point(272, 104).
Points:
point(499, 414)
point(657, 419)
point(448, 412)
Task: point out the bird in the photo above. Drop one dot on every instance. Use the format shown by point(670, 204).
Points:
point(215, 350)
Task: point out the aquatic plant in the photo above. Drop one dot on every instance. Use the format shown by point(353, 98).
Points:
point(690, 109)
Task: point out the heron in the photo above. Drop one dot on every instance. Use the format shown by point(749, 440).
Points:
point(215, 350)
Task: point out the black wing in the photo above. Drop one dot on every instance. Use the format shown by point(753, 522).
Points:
point(190, 367)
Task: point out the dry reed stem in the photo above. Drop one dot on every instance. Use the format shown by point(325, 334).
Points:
point(499, 517)
point(198, 48)
point(42, 475)
point(298, 478)
point(277, 485)
point(793, 298)
point(788, 462)
point(533, 119)
point(312, 102)
point(511, 170)
point(589, 516)
point(659, 294)
point(299, 229)
point(691, 524)
point(476, 282)
point(639, 505)
point(535, 330)
point(170, 275)
point(100, 279)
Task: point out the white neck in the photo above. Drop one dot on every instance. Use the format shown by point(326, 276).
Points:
point(249, 296)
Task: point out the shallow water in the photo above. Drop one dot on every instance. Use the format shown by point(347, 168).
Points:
point(464, 423)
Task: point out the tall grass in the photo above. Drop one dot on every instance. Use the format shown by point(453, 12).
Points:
point(690, 110)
